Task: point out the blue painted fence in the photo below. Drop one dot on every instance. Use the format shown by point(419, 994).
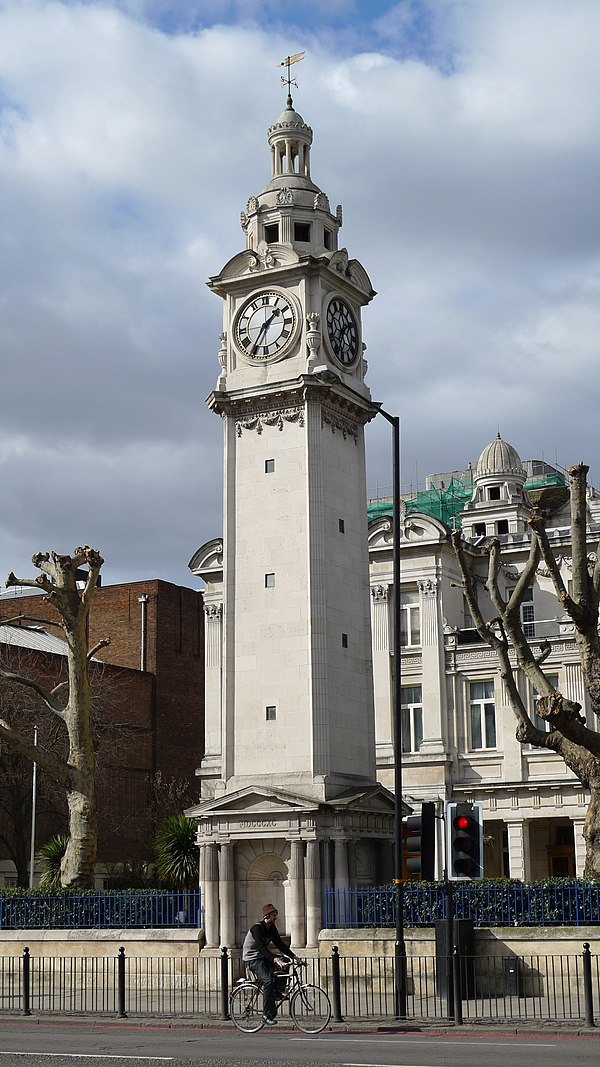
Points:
point(552, 903)
point(106, 909)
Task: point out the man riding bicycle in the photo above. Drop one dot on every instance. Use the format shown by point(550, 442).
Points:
point(262, 962)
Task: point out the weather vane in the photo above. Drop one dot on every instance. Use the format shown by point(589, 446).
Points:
point(287, 79)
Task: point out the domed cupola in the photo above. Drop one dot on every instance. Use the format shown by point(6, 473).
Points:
point(499, 505)
point(499, 458)
point(291, 211)
point(290, 139)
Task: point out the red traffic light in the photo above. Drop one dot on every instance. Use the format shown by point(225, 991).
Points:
point(462, 822)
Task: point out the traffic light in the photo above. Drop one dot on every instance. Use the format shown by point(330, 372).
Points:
point(464, 828)
point(420, 843)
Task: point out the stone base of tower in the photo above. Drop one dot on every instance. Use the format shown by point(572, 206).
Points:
point(260, 845)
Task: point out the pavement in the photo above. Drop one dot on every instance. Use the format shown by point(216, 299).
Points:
point(373, 1024)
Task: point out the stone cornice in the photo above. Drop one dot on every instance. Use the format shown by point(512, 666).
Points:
point(342, 408)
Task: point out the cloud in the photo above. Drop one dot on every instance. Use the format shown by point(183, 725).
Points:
point(461, 138)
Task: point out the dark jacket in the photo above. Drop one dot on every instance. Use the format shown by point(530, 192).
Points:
point(257, 940)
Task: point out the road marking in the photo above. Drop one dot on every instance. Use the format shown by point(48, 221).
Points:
point(92, 1056)
point(429, 1040)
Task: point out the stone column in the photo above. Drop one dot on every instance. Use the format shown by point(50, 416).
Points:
point(518, 850)
point(213, 698)
point(341, 876)
point(211, 896)
point(381, 638)
point(296, 883)
point(227, 896)
point(312, 893)
point(578, 825)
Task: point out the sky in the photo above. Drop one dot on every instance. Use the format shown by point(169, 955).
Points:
point(462, 138)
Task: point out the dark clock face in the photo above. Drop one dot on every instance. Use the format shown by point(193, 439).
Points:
point(265, 325)
point(342, 331)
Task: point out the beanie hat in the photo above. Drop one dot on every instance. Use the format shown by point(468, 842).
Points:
point(268, 908)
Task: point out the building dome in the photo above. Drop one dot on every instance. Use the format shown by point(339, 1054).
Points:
point(499, 458)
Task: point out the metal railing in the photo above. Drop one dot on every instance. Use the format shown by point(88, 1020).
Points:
point(105, 909)
point(536, 987)
point(485, 904)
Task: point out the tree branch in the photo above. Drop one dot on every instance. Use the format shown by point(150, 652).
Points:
point(99, 644)
point(58, 770)
point(29, 683)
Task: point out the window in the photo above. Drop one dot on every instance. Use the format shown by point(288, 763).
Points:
point(410, 619)
point(479, 529)
point(269, 466)
point(528, 614)
point(341, 525)
point(271, 712)
point(482, 715)
point(412, 717)
point(494, 492)
point(302, 231)
point(269, 581)
point(272, 233)
point(541, 724)
point(328, 239)
point(502, 526)
point(344, 640)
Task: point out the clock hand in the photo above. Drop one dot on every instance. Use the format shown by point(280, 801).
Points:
point(263, 330)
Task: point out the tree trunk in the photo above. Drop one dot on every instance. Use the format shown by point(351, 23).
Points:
point(591, 831)
point(78, 862)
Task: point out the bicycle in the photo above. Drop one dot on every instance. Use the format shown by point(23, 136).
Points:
point(310, 1007)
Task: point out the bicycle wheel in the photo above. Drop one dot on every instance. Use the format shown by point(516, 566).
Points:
point(245, 1008)
point(310, 1009)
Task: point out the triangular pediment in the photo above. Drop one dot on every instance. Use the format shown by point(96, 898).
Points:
point(253, 800)
point(376, 800)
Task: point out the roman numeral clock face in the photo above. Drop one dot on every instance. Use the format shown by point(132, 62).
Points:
point(342, 331)
point(265, 326)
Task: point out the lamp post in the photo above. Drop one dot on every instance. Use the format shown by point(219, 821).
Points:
point(400, 946)
point(33, 814)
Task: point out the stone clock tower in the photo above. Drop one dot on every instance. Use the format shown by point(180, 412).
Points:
point(288, 778)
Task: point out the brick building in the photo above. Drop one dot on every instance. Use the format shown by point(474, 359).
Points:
point(148, 692)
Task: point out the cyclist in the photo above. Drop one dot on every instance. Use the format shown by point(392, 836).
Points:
point(261, 961)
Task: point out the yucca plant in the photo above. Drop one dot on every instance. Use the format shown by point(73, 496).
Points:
point(49, 857)
point(176, 852)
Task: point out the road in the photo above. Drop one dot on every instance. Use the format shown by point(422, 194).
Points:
point(81, 1043)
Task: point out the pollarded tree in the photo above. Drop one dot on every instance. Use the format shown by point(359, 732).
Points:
point(69, 702)
point(568, 733)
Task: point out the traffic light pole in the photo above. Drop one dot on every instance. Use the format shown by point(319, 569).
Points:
point(400, 946)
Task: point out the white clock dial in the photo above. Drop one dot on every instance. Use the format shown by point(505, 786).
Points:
point(265, 325)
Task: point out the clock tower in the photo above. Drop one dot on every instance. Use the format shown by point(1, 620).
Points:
point(290, 746)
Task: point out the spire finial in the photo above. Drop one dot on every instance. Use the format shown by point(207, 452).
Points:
point(287, 79)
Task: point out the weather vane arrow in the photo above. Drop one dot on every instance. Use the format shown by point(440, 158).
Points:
point(288, 80)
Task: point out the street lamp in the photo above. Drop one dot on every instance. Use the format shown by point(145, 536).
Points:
point(400, 946)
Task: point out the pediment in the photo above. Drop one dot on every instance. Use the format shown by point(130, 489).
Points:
point(207, 561)
point(416, 528)
point(376, 800)
point(352, 270)
point(254, 801)
point(250, 262)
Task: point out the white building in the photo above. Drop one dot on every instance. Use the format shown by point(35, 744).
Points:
point(458, 729)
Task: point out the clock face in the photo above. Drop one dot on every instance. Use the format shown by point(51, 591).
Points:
point(342, 331)
point(265, 325)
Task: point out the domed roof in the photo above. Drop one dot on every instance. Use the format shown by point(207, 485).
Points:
point(499, 458)
point(290, 119)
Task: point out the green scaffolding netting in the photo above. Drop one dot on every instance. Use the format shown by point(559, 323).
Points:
point(443, 504)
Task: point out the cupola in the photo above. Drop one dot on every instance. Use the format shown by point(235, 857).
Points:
point(291, 211)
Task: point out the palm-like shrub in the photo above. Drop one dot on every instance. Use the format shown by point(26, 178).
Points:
point(176, 852)
point(49, 857)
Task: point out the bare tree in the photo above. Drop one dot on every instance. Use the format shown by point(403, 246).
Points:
point(69, 703)
point(568, 733)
